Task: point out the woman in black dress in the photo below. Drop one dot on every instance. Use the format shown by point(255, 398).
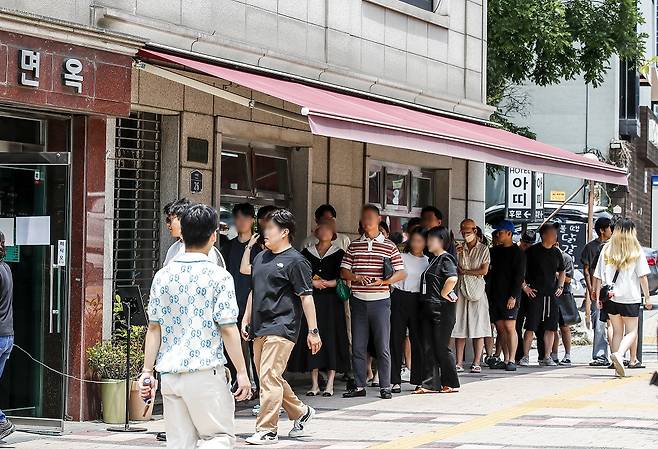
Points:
point(325, 260)
point(438, 299)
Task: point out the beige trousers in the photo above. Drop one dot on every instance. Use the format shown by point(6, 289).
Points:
point(271, 356)
point(198, 408)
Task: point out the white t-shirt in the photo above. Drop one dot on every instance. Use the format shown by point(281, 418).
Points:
point(414, 267)
point(342, 241)
point(178, 248)
point(627, 288)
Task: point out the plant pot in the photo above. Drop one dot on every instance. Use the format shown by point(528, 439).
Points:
point(136, 406)
point(113, 397)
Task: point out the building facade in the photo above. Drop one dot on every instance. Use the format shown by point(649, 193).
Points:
point(134, 140)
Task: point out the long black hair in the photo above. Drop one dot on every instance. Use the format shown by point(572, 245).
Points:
point(415, 231)
point(442, 233)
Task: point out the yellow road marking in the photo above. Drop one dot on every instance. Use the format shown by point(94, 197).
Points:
point(564, 399)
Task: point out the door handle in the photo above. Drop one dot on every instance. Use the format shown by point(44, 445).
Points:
point(51, 270)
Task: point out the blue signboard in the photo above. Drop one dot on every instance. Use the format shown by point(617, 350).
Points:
point(654, 180)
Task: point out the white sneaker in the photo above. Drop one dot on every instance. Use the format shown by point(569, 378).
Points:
point(548, 361)
point(405, 374)
point(525, 361)
point(263, 438)
point(298, 429)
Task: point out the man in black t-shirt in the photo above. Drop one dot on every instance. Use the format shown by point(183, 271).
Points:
point(542, 287)
point(506, 273)
point(281, 289)
point(232, 252)
point(589, 259)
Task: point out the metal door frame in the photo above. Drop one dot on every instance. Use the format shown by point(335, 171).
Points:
point(49, 426)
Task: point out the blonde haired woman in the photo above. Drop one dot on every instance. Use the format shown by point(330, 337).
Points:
point(623, 269)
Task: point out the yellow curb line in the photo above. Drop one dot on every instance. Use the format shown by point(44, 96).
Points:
point(560, 400)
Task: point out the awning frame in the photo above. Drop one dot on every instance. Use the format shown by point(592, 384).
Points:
point(216, 91)
point(335, 114)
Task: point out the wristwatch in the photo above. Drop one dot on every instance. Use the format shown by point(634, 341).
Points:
point(315, 331)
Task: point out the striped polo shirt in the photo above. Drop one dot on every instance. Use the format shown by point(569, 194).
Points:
point(365, 257)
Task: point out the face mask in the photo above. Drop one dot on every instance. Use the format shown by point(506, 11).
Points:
point(470, 238)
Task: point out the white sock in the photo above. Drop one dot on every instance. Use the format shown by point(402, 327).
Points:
point(567, 356)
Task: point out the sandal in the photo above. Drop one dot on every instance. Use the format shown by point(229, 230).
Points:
point(327, 393)
point(635, 365)
point(476, 369)
point(396, 389)
point(313, 393)
point(460, 369)
point(449, 390)
point(423, 390)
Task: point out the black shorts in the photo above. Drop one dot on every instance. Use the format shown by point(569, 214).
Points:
point(626, 310)
point(498, 310)
point(541, 309)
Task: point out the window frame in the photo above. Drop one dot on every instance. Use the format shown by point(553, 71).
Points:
point(410, 172)
point(422, 4)
point(251, 150)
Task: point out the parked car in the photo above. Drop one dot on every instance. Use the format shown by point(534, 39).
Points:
point(652, 260)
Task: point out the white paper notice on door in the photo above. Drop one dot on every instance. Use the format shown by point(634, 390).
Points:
point(7, 228)
point(33, 230)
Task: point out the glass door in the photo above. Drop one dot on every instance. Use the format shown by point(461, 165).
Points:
point(34, 217)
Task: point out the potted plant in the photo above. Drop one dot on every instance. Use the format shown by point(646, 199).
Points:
point(108, 363)
point(107, 360)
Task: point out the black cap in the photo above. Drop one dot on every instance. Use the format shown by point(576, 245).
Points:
point(528, 237)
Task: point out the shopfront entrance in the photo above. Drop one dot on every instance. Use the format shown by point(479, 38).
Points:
point(34, 217)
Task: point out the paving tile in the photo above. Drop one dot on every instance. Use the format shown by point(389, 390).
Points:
point(390, 416)
point(568, 422)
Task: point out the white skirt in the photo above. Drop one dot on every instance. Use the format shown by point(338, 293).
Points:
point(472, 319)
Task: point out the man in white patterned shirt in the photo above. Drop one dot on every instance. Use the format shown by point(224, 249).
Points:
point(193, 313)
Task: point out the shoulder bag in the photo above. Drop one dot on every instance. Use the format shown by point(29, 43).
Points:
point(606, 291)
point(568, 309)
point(472, 288)
point(342, 290)
point(388, 268)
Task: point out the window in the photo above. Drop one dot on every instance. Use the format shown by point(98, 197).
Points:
point(253, 170)
point(399, 190)
point(424, 4)
point(271, 174)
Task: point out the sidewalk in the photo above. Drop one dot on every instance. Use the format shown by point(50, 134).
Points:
point(578, 407)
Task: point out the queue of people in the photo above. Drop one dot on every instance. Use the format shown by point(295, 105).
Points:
point(355, 307)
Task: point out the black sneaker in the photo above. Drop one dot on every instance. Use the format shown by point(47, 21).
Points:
point(511, 366)
point(498, 365)
point(356, 393)
point(385, 393)
point(6, 429)
point(599, 362)
point(491, 361)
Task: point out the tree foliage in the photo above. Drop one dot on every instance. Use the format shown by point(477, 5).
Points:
point(545, 41)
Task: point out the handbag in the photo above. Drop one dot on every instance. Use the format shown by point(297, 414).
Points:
point(568, 309)
point(342, 290)
point(606, 291)
point(471, 287)
point(388, 268)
